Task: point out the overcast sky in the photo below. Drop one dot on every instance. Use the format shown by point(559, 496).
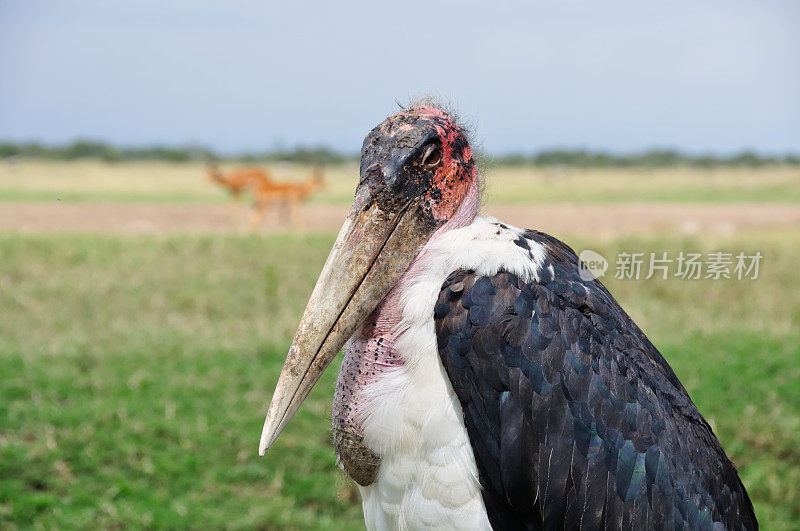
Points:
point(712, 75)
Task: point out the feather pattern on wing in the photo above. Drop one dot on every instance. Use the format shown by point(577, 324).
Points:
point(575, 419)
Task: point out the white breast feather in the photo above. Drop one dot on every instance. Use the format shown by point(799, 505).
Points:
point(428, 477)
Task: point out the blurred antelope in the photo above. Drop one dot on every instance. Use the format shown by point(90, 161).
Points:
point(288, 195)
point(239, 180)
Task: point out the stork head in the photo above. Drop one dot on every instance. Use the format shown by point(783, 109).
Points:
point(416, 170)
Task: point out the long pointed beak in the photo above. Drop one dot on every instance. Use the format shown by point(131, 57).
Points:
point(374, 247)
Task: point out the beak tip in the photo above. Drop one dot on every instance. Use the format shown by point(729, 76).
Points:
point(267, 438)
point(264, 445)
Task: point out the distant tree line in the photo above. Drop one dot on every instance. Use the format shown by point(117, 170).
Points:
point(81, 149)
point(89, 149)
point(652, 158)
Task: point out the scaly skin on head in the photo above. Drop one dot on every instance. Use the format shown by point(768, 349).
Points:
point(395, 153)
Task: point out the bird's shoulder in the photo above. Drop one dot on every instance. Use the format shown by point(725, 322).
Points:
point(535, 267)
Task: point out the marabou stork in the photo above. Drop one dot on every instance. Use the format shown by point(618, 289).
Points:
point(485, 384)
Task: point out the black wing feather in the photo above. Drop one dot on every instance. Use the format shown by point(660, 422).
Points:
point(575, 419)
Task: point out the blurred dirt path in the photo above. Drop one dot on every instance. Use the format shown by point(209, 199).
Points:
point(595, 219)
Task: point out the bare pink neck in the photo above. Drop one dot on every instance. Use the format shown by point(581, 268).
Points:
point(371, 351)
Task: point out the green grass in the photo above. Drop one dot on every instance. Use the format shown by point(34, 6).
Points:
point(136, 371)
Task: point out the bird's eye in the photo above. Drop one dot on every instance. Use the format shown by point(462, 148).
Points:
point(432, 156)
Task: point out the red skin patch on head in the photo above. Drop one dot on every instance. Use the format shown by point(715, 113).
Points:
point(457, 171)
point(454, 177)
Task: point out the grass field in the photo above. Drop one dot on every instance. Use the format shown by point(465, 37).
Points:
point(136, 370)
point(186, 183)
